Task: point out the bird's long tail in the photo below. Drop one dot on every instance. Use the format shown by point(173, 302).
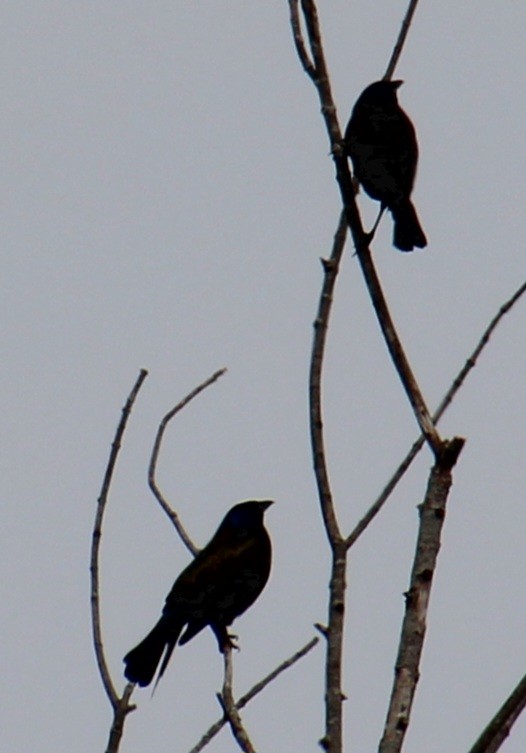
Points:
point(408, 232)
point(142, 661)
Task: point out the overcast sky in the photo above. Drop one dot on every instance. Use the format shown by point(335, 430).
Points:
point(167, 193)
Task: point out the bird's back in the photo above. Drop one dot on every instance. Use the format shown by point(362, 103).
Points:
point(224, 579)
point(381, 142)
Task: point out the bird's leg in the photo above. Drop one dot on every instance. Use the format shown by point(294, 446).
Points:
point(224, 638)
point(370, 234)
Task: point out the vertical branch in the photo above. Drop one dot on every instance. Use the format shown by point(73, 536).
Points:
point(227, 703)
point(432, 515)
point(330, 269)
point(121, 705)
point(120, 712)
point(95, 544)
point(332, 740)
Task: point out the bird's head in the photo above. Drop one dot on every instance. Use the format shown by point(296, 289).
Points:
point(246, 516)
point(380, 93)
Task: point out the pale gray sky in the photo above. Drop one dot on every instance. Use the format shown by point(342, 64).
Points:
point(167, 191)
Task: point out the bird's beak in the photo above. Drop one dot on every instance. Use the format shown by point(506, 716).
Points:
point(397, 83)
point(265, 503)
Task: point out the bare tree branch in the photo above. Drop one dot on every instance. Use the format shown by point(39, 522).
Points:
point(95, 546)
point(443, 406)
point(120, 712)
point(361, 240)
point(500, 726)
point(394, 345)
point(172, 515)
point(321, 323)
point(254, 690)
point(332, 739)
point(121, 705)
point(432, 515)
point(227, 703)
point(397, 51)
point(298, 40)
point(318, 72)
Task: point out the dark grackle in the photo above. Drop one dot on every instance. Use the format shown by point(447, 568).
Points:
point(223, 580)
point(380, 139)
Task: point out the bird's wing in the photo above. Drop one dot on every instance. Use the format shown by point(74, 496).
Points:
point(215, 572)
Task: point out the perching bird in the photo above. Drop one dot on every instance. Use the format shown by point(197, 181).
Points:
point(223, 580)
point(381, 142)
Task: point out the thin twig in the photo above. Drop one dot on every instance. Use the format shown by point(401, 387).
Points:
point(95, 545)
point(227, 703)
point(172, 515)
point(321, 323)
point(500, 726)
point(432, 515)
point(397, 51)
point(298, 40)
point(254, 690)
point(443, 406)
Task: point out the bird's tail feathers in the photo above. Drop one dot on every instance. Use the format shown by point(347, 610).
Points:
point(407, 232)
point(170, 645)
point(142, 661)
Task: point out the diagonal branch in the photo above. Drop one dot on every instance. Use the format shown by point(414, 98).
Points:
point(392, 340)
point(254, 690)
point(432, 515)
point(397, 51)
point(446, 401)
point(152, 469)
point(500, 726)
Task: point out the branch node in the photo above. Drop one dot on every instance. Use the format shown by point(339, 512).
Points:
point(449, 451)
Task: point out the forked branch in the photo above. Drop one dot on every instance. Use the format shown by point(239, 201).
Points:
point(446, 401)
point(152, 469)
point(254, 690)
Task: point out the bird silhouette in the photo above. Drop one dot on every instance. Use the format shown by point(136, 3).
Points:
point(381, 141)
point(223, 580)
